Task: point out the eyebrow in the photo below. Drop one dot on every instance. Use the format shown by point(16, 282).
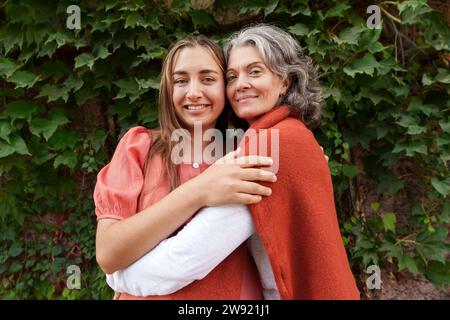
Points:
point(182, 72)
point(249, 65)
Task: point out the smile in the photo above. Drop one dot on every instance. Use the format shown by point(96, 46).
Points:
point(197, 107)
point(246, 98)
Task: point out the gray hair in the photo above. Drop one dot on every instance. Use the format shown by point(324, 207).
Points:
point(284, 57)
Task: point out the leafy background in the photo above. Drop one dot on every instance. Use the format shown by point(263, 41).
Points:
point(66, 97)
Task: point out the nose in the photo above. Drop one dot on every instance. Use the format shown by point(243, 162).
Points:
point(242, 83)
point(194, 91)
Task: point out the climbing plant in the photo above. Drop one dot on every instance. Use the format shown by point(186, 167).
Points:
point(68, 94)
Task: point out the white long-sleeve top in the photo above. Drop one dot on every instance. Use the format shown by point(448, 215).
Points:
point(212, 235)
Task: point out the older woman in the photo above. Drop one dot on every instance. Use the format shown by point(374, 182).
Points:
point(297, 246)
point(273, 86)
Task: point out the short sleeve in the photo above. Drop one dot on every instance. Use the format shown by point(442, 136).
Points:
point(120, 182)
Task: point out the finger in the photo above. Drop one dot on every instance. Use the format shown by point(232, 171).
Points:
point(244, 198)
point(253, 160)
point(230, 156)
point(321, 148)
point(254, 188)
point(326, 157)
point(253, 174)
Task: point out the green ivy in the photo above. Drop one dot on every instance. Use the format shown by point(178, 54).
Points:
point(66, 96)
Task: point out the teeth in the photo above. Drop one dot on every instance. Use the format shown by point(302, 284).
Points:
point(197, 107)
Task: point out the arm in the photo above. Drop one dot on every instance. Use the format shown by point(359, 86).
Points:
point(120, 243)
point(124, 235)
point(213, 234)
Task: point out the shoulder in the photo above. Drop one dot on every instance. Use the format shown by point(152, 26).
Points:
point(136, 133)
point(292, 132)
point(135, 144)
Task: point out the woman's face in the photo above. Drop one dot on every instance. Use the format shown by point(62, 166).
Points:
point(252, 88)
point(198, 88)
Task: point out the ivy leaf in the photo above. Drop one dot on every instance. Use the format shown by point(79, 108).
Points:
point(180, 6)
point(20, 110)
point(427, 79)
point(389, 182)
point(153, 22)
point(270, 7)
point(408, 262)
point(415, 129)
point(417, 105)
point(441, 186)
point(445, 125)
point(431, 245)
point(47, 127)
point(411, 11)
point(128, 87)
point(366, 64)
point(443, 76)
point(7, 67)
point(134, 20)
point(73, 84)
point(349, 35)
point(55, 69)
point(62, 140)
point(102, 52)
point(23, 79)
point(338, 10)
point(299, 29)
point(333, 92)
point(84, 59)
point(148, 83)
point(411, 147)
point(15, 250)
point(438, 273)
point(5, 130)
point(54, 93)
point(47, 50)
point(16, 145)
point(201, 18)
point(11, 36)
point(349, 170)
point(389, 220)
point(68, 158)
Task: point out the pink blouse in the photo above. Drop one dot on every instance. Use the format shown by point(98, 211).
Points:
point(120, 183)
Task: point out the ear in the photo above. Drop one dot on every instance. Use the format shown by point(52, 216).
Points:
point(285, 84)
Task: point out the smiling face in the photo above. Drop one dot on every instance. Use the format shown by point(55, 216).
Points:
point(198, 88)
point(252, 88)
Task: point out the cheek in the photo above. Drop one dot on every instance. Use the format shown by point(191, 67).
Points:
point(177, 96)
point(217, 95)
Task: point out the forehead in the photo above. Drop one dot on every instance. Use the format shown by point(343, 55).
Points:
point(243, 56)
point(195, 59)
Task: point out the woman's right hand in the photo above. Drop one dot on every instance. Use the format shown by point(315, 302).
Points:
point(230, 180)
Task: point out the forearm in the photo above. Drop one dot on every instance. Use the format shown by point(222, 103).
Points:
point(194, 252)
point(121, 243)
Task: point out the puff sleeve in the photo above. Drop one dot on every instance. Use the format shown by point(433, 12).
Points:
point(120, 182)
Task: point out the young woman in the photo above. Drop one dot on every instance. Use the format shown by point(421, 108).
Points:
point(142, 198)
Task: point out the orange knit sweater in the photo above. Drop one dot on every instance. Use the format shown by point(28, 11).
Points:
point(297, 223)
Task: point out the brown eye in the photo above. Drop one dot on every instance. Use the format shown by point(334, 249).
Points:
point(255, 72)
point(180, 81)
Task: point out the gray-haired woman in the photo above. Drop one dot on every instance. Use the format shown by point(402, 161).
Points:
point(297, 247)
